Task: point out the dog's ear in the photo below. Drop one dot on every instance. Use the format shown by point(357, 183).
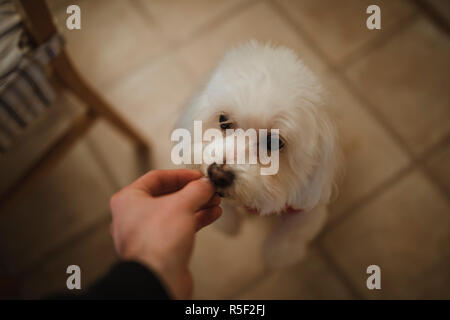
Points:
point(322, 183)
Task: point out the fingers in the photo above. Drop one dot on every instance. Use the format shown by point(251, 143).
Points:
point(214, 201)
point(207, 216)
point(159, 182)
point(194, 196)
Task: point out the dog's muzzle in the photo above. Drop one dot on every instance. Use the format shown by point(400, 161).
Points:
point(220, 175)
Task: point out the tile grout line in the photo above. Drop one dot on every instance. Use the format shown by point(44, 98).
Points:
point(332, 67)
point(142, 11)
point(354, 209)
point(379, 118)
point(267, 273)
point(415, 164)
point(277, 8)
point(398, 140)
point(220, 19)
point(356, 54)
point(339, 70)
point(209, 26)
point(433, 15)
point(390, 181)
point(339, 272)
point(55, 252)
point(376, 43)
point(422, 163)
point(335, 69)
point(251, 284)
point(172, 46)
point(365, 200)
point(105, 168)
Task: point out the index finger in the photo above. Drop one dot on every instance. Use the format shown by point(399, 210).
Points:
point(194, 195)
point(160, 182)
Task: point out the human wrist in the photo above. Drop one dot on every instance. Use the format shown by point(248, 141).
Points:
point(170, 276)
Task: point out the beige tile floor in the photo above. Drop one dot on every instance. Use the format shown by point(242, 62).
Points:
point(390, 100)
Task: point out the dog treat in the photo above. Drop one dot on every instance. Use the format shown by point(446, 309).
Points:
point(220, 176)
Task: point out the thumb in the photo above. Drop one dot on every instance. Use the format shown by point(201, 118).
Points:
point(194, 195)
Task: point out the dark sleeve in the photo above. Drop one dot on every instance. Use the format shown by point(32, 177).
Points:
point(125, 280)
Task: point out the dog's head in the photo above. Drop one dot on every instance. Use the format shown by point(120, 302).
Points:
point(263, 87)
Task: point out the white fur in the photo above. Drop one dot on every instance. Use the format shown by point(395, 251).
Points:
point(263, 87)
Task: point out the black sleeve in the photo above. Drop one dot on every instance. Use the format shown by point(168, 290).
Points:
point(126, 280)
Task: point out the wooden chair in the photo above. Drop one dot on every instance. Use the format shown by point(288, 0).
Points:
point(39, 24)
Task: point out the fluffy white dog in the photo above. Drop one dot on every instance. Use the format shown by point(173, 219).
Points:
point(263, 87)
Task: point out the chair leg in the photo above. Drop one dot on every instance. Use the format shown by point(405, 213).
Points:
point(143, 159)
point(73, 80)
point(47, 160)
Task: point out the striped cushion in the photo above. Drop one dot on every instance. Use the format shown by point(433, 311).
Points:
point(25, 91)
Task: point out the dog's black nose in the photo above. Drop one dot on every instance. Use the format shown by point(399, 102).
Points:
point(220, 176)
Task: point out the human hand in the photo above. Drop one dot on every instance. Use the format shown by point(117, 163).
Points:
point(154, 221)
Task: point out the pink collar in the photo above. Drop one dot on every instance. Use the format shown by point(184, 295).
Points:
point(287, 210)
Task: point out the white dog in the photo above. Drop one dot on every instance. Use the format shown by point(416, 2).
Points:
point(262, 87)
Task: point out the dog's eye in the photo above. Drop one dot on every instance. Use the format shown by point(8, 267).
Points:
point(271, 142)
